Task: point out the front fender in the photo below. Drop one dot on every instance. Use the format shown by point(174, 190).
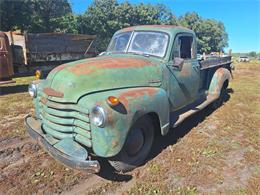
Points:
point(134, 103)
point(220, 76)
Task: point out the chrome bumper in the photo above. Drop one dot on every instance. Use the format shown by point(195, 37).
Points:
point(34, 129)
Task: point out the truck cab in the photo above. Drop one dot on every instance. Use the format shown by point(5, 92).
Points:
point(111, 106)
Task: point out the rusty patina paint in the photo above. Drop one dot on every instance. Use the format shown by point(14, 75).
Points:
point(108, 63)
point(220, 76)
point(144, 86)
point(134, 102)
point(104, 73)
point(130, 95)
point(51, 92)
point(43, 100)
point(185, 71)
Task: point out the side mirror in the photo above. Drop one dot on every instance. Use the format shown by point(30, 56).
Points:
point(178, 63)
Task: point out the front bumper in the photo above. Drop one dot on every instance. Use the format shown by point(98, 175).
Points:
point(34, 129)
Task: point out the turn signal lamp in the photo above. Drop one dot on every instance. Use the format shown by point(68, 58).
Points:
point(38, 74)
point(112, 100)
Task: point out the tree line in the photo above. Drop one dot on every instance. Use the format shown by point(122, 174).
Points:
point(103, 18)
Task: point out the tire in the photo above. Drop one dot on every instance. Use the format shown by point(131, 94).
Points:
point(137, 146)
point(218, 102)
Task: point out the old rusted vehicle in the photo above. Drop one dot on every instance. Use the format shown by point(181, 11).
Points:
point(111, 106)
point(44, 51)
point(6, 66)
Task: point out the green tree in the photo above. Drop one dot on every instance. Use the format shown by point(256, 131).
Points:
point(105, 17)
point(252, 54)
point(35, 15)
point(211, 34)
point(13, 14)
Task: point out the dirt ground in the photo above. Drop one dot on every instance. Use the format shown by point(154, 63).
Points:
point(212, 152)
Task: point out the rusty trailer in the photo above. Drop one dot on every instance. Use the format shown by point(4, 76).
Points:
point(44, 51)
point(6, 67)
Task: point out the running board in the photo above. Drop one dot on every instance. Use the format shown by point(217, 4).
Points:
point(179, 116)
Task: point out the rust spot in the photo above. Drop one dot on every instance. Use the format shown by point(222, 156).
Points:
point(51, 92)
point(135, 94)
point(43, 100)
point(89, 67)
point(185, 71)
point(114, 143)
point(220, 71)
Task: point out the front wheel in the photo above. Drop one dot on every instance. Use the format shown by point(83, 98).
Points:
point(137, 146)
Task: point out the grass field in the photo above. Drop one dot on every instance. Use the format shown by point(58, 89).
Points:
point(212, 152)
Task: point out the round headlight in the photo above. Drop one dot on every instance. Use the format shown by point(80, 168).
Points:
point(32, 89)
point(98, 116)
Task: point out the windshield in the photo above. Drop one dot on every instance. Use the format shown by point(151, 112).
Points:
point(144, 43)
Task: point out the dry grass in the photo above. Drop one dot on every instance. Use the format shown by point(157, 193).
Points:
point(220, 154)
point(213, 152)
point(15, 105)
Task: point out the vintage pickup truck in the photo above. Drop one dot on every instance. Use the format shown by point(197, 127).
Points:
point(149, 80)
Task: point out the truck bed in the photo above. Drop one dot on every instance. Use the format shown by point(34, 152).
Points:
point(215, 62)
point(44, 51)
point(50, 48)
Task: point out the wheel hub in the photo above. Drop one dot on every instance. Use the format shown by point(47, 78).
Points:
point(134, 142)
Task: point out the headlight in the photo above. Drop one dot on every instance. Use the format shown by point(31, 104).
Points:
point(98, 116)
point(32, 89)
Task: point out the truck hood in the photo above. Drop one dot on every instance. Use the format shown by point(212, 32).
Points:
point(73, 80)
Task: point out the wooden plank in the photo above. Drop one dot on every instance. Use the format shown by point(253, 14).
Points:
point(51, 47)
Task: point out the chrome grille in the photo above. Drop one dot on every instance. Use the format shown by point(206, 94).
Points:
point(62, 120)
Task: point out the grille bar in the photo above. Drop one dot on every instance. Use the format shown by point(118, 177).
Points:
point(83, 140)
point(66, 121)
point(64, 106)
point(62, 120)
point(60, 128)
point(70, 114)
point(57, 134)
point(82, 132)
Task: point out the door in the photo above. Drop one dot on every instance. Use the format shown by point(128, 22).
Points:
point(184, 70)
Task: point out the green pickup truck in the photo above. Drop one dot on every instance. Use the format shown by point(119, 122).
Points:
point(111, 106)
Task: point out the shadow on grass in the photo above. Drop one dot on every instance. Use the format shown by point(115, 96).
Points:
point(162, 142)
point(5, 90)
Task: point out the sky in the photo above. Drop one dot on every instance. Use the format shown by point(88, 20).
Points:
point(240, 17)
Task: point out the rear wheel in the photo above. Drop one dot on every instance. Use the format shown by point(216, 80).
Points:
point(218, 102)
point(137, 146)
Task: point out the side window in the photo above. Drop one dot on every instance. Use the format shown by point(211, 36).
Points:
point(176, 48)
point(184, 47)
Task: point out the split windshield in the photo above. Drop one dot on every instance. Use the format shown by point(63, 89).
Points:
point(139, 42)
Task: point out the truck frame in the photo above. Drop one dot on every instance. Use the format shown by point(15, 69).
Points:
point(111, 106)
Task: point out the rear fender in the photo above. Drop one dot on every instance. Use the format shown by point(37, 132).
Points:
point(220, 76)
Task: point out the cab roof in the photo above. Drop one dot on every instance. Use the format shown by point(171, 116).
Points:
point(163, 28)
